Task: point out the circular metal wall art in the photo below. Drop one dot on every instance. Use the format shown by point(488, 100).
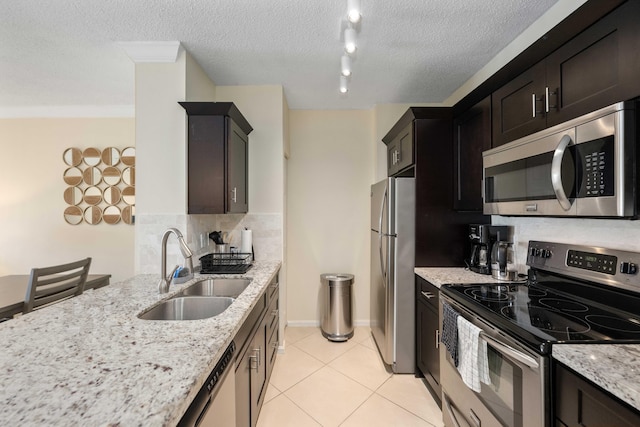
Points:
point(91, 156)
point(73, 215)
point(110, 156)
point(72, 156)
point(96, 193)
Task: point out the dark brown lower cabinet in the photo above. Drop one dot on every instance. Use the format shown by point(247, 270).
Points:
point(258, 343)
point(579, 402)
point(428, 335)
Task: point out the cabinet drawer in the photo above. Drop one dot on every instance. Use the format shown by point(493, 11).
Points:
point(273, 289)
point(273, 313)
point(272, 347)
point(426, 292)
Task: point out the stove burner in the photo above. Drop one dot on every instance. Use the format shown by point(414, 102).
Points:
point(535, 292)
point(547, 319)
point(614, 323)
point(490, 293)
point(563, 305)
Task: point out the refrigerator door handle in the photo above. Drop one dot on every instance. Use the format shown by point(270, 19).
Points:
point(380, 235)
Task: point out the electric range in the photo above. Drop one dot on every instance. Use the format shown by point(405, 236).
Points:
point(595, 299)
point(573, 294)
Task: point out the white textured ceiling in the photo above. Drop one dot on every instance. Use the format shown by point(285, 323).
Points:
point(65, 52)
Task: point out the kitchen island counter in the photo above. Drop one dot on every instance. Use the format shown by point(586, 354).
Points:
point(90, 360)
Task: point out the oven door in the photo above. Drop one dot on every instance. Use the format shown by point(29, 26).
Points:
point(517, 396)
point(533, 176)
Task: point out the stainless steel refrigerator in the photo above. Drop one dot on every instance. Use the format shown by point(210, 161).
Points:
point(393, 210)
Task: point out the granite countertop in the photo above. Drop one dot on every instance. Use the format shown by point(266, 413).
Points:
point(613, 367)
point(89, 360)
point(439, 276)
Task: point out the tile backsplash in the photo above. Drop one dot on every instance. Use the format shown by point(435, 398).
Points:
point(267, 233)
point(267, 236)
point(609, 233)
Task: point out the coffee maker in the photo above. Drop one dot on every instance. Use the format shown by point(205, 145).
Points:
point(481, 238)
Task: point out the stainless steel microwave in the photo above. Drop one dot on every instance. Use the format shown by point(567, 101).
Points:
point(585, 167)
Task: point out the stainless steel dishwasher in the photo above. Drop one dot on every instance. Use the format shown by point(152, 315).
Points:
point(215, 403)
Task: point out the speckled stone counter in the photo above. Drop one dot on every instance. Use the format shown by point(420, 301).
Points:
point(91, 361)
point(439, 276)
point(615, 368)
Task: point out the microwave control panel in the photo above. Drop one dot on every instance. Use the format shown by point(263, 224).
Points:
point(597, 172)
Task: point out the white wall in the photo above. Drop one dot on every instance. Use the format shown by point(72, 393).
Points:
point(330, 171)
point(161, 147)
point(262, 106)
point(34, 232)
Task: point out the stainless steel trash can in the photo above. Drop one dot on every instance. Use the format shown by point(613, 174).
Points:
point(337, 322)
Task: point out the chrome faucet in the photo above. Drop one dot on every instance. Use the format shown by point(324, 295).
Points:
point(165, 281)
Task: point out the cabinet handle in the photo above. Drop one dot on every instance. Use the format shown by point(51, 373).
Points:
point(234, 197)
point(427, 295)
point(534, 100)
point(398, 156)
point(254, 363)
point(274, 344)
point(437, 338)
point(274, 313)
point(546, 99)
point(548, 95)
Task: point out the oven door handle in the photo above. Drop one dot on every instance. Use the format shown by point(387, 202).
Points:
point(510, 351)
point(556, 173)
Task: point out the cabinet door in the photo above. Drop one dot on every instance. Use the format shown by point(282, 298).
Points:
point(206, 165)
point(597, 68)
point(473, 136)
point(579, 402)
point(392, 153)
point(237, 166)
point(258, 370)
point(428, 333)
point(518, 106)
point(400, 152)
point(243, 391)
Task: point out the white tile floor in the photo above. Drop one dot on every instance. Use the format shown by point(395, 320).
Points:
point(321, 383)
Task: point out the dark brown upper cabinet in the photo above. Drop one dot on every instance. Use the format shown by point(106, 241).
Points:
point(596, 68)
point(217, 158)
point(400, 151)
point(472, 136)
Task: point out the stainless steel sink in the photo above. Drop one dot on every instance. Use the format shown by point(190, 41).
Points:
point(217, 288)
point(188, 308)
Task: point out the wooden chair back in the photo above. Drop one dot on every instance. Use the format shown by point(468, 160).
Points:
point(52, 284)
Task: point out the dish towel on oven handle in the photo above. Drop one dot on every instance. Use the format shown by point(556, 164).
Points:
point(472, 352)
point(450, 331)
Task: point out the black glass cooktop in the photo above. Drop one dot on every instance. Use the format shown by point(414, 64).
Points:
point(553, 311)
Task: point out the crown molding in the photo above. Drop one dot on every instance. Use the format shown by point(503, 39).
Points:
point(68, 111)
point(166, 51)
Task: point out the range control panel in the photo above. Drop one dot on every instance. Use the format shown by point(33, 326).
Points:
point(610, 266)
point(592, 261)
